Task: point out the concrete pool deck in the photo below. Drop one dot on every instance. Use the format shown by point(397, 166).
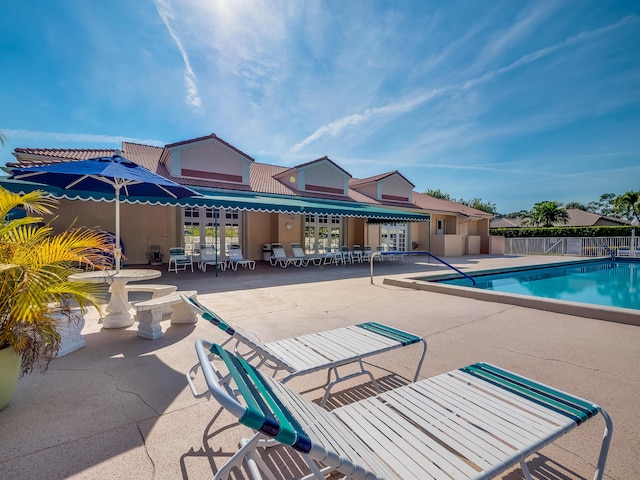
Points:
point(120, 407)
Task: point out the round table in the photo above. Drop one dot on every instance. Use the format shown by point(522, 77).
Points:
point(118, 314)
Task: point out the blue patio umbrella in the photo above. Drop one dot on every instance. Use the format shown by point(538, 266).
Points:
point(106, 175)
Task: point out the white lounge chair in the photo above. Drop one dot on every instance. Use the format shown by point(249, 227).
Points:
point(209, 256)
point(470, 423)
point(298, 252)
point(327, 350)
point(236, 258)
point(279, 257)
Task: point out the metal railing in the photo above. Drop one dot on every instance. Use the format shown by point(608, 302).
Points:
point(581, 246)
point(380, 254)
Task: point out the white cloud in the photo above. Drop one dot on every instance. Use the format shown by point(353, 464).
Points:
point(166, 14)
point(31, 135)
point(335, 127)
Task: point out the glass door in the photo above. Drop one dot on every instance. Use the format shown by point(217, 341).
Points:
point(393, 237)
point(210, 226)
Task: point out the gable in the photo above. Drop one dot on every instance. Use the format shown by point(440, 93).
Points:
point(390, 187)
point(208, 159)
point(319, 176)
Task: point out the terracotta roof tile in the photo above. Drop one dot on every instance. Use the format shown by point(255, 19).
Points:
point(263, 177)
point(427, 202)
point(361, 181)
point(58, 155)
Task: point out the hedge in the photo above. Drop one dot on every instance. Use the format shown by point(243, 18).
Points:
point(606, 231)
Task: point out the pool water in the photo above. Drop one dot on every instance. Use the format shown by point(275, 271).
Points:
point(613, 284)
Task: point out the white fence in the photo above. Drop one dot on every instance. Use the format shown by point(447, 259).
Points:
point(584, 246)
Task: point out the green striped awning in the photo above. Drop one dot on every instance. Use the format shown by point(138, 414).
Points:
point(249, 201)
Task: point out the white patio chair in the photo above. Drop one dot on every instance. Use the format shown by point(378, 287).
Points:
point(210, 256)
point(299, 253)
point(179, 260)
point(279, 257)
point(470, 423)
point(327, 350)
point(236, 258)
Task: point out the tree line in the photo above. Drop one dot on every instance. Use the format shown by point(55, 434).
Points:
point(549, 212)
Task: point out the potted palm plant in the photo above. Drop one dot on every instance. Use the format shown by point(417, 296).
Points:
point(35, 290)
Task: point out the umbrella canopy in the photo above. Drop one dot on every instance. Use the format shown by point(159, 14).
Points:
point(105, 174)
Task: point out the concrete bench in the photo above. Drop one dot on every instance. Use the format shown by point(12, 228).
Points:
point(157, 290)
point(150, 312)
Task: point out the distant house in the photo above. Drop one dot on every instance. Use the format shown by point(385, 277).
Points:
point(577, 218)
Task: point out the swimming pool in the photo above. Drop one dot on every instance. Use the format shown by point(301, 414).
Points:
point(613, 284)
point(593, 288)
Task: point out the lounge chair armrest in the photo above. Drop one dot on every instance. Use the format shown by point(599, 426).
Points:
point(212, 376)
point(191, 374)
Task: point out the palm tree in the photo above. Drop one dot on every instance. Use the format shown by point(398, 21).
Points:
point(628, 205)
point(35, 266)
point(546, 214)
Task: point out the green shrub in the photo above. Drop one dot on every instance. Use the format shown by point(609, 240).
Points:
point(560, 232)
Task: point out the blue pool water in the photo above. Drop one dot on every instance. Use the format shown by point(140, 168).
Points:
point(614, 284)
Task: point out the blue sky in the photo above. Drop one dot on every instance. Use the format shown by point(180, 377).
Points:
point(511, 101)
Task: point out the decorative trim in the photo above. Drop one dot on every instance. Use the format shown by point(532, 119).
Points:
point(395, 198)
point(186, 172)
point(320, 188)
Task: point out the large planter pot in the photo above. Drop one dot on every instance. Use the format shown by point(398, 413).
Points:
point(9, 373)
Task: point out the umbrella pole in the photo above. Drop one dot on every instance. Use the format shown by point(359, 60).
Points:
point(117, 252)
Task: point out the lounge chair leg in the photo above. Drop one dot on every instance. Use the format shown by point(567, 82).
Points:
point(255, 464)
point(525, 470)
point(339, 379)
point(238, 457)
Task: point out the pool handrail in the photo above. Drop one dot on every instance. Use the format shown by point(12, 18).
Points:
point(611, 252)
point(420, 252)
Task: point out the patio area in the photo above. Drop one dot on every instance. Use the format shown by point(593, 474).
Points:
point(120, 407)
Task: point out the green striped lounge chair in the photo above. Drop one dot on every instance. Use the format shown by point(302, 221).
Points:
point(328, 350)
point(471, 423)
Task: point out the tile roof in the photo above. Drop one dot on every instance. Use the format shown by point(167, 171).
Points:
point(263, 177)
point(59, 154)
point(577, 218)
point(427, 202)
point(361, 181)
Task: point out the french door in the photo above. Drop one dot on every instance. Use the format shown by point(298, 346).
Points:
point(211, 226)
point(393, 237)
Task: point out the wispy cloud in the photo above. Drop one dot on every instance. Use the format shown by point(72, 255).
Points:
point(166, 14)
point(31, 135)
point(544, 52)
point(336, 127)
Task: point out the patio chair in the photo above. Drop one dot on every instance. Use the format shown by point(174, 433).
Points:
point(236, 258)
point(327, 350)
point(366, 253)
point(179, 260)
point(470, 423)
point(279, 257)
point(357, 253)
point(298, 252)
point(347, 255)
point(210, 256)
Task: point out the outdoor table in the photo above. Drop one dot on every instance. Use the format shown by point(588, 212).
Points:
point(118, 314)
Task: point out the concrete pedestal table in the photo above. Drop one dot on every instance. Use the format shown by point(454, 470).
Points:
point(118, 314)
